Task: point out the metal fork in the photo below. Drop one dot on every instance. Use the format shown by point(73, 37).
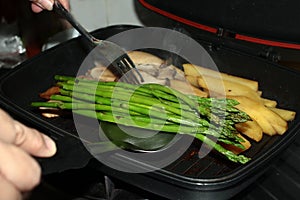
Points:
point(118, 58)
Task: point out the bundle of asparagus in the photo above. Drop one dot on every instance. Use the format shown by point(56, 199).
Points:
point(154, 107)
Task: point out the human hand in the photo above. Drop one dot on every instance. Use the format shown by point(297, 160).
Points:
point(19, 172)
point(39, 5)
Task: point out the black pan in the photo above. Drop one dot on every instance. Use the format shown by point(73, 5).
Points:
point(186, 178)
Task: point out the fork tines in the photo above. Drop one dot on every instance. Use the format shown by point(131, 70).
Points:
point(127, 70)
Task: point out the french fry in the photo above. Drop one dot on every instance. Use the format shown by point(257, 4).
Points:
point(251, 129)
point(287, 115)
point(195, 70)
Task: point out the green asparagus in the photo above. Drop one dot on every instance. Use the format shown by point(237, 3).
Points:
point(155, 107)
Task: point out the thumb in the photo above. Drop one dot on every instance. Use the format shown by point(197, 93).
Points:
point(29, 139)
point(33, 142)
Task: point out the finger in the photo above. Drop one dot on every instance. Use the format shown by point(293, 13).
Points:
point(18, 167)
point(7, 127)
point(8, 190)
point(43, 4)
point(31, 140)
point(35, 8)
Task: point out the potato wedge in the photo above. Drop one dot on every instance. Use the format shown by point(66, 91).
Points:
point(269, 102)
point(270, 122)
point(255, 110)
point(251, 129)
point(237, 150)
point(287, 115)
point(193, 80)
point(227, 87)
point(279, 124)
point(198, 92)
point(195, 70)
point(259, 93)
point(232, 89)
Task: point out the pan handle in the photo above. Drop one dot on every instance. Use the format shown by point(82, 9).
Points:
point(60, 9)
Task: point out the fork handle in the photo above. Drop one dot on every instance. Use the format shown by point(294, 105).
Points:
point(60, 9)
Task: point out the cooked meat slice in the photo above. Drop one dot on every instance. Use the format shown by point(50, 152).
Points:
point(186, 88)
point(107, 78)
point(98, 72)
point(151, 79)
point(49, 92)
point(166, 73)
point(151, 69)
point(140, 57)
